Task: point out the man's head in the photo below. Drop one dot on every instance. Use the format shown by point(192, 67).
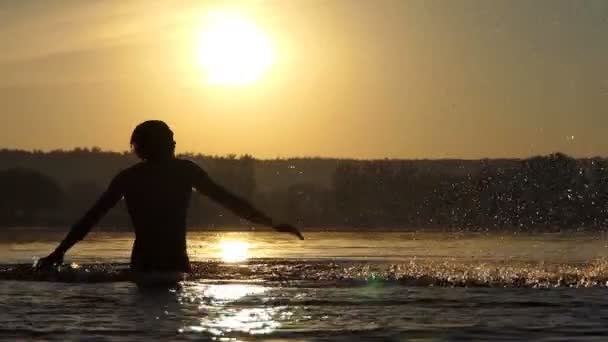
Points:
point(153, 140)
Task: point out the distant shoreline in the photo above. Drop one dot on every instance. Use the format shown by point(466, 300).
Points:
point(543, 193)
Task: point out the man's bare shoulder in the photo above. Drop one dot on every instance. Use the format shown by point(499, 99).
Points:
point(188, 164)
point(193, 171)
point(137, 167)
point(127, 174)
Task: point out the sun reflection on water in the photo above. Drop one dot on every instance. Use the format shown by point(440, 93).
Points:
point(254, 321)
point(221, 314)
point(230, 292)
point(234, 250)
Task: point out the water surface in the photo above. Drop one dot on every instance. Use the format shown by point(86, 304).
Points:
point(332, 286)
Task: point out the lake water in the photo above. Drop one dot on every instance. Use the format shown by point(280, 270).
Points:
point(331, 287)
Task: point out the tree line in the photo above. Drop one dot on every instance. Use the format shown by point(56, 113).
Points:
point(553, 192)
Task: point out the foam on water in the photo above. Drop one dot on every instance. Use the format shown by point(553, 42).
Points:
point(416, 272)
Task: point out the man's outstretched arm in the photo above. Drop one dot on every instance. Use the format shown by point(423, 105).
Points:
point(205, 185)
point(79, 230)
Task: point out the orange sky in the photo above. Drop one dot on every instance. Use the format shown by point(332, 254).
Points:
point(386, 78)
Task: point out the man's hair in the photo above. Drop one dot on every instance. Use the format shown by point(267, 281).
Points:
point(153, 140)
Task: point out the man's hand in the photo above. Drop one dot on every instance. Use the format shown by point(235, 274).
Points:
point(287, 228)
point(52, 260)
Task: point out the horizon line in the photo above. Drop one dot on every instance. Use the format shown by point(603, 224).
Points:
point(96, 149)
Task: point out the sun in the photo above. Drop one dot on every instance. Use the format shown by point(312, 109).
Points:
point(232, 50)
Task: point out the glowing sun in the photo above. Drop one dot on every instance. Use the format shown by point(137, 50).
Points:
point(232, 50)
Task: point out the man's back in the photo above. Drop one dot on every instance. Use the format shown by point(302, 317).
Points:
point(157, 195)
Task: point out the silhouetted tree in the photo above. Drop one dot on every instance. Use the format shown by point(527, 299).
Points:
point(26, 195)
point(543, 192)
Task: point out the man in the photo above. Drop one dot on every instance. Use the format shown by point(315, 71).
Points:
point(157, 193)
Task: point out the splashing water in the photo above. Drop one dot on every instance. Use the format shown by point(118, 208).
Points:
point(348, 273)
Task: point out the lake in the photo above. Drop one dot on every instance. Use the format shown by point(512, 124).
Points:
point(260, 286)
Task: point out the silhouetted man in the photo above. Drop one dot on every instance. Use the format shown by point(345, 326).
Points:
point(157, 193)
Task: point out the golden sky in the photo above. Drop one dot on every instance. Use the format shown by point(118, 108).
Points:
point(363, 79)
